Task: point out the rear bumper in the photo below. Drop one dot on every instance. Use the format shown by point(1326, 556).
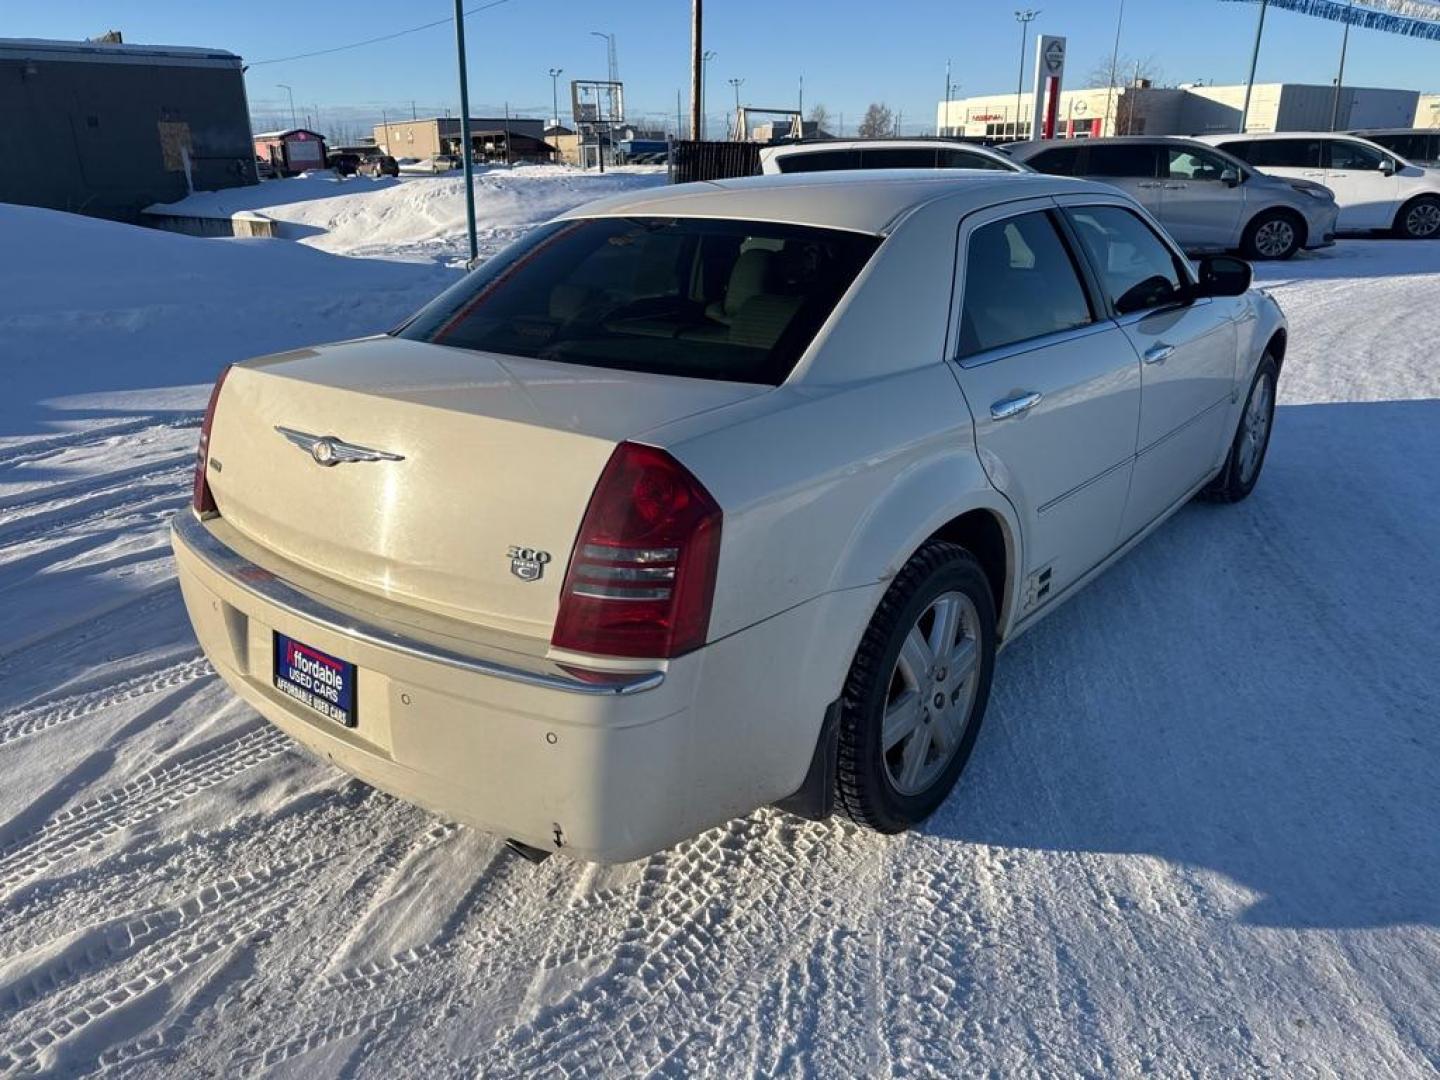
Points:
point(608, 767)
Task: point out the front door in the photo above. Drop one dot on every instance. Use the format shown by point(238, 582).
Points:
point(1197, 207)
point(1132, 167)
point(1186, 350)
point(1368, 194)
point(1054, 388)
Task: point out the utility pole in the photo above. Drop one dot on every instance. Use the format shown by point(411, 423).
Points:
point(943, 128)
point(679, 116)
point(802, 104)
point(294, 123)
point(696, 51)
point(465, 133)
point(737, 83)
point(1114, 71)
point(555, 74)
point(1254, 59)
point(1024, 18)
point(385, 121)
point(1340, 78)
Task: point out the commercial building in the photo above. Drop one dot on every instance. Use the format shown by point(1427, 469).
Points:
point(489, 137)
point(1144, 109)
point(1427, 111)
point(291, 152)
point(107, 129)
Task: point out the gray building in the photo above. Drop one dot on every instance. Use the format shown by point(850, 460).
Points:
point(433, 135)
point(107, 129)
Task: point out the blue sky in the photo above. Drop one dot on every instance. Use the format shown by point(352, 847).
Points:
point(849, 52)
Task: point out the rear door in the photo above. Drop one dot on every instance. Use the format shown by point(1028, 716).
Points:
point(1368, 196)
point(1197, 207)
point(1290, 158)
point(1053, 386)
point(1132, 167)
point(1186, 348)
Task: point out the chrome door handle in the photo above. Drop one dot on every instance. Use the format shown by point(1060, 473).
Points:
point(1015, 406)
point(1158, 354)
point(1148, 185)
point(1314, 174)
point(1176, 187)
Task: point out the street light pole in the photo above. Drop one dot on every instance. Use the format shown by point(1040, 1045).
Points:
point(555, 74)
point(1340, 78)
point(1254, 59)
point(465, 133)
point(705, 59)
point(737, 83)
point(294, 123)
point(1114, 70)
point(1024, 18)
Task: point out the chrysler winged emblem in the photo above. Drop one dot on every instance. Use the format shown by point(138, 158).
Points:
point(328, 450)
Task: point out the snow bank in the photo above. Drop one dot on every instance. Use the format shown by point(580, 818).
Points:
point(416, 217)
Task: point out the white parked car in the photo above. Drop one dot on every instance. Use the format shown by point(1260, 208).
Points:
point(1376, 189)
point(829, 155)
point(704, 498)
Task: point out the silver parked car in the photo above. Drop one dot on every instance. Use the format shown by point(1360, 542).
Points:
point(830, 155)
point(1207, 199)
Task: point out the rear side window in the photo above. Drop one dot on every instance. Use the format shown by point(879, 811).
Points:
point(966, 159)
point(819, 161)
point(1279, 153)
point(1356, 157)
point(898, 157)
point(1121, 159)
point(1062, 161)
point(1020, 283)
point(731, 300)
point(1136, 270)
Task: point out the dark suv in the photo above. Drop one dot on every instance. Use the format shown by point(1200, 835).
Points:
point(378, 165)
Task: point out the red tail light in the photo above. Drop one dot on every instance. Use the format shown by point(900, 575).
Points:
point(201, 499)
point(642, 575)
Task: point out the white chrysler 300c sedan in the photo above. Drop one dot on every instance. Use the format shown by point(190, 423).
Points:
point(716, 496)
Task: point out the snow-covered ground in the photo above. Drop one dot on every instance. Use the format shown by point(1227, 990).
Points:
point(1200, 834)
point(416, 217)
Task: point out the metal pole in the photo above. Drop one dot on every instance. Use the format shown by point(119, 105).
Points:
point(737, 83)
point(696, 50)
point(705, 59)
point(465, 133)
point(1254, 60)
point(1114, 70)
point(944, 127)
point(1024, 18)
point(1340, 78)
point(294, 123)
point(555, 74)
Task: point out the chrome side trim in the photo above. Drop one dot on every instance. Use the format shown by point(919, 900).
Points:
point(188, 530)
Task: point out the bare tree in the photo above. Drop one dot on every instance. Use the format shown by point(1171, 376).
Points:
point(878, 122)
point(1126, 70)
point(820, 117)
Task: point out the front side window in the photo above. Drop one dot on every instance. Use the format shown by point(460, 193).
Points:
point(708, 299)
point(1356, 157)
point(1120, 160)
point(820, 161)
point(1137, 271)
point(1020, 283)
point(1188, 164)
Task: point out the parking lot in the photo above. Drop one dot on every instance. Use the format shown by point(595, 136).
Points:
point(1198, 835)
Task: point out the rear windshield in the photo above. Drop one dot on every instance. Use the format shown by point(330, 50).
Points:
point(737, 301)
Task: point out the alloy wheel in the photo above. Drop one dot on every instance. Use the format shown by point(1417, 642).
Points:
point(932, 693)
point(1275, 238)
point(1423, 220)
point(1256, 431)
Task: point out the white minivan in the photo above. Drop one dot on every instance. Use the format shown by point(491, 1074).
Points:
point(1377, 190)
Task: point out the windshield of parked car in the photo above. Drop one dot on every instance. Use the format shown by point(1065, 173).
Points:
point(732, 300)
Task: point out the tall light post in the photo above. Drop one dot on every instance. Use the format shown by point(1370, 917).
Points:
point(555, 74)
point(705, 59)
point(465, 149)
point(612, 67)
point(1114, 67)
point(1024, 18)
point(294, 123)
point(1254, 60)
point(737, 83)
point(1340, 78)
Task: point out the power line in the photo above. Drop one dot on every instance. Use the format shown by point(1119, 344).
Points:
point(376, 40)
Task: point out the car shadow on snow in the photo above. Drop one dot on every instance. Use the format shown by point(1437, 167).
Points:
point(1353, 258)
point(1254, 690)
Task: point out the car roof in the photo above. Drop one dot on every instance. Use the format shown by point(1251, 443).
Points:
point(1364, 132)
point(1021, 150)
point(856, 200)
point(817, 145)
point(1252, 136)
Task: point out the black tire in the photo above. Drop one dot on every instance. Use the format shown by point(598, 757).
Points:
point(1234, 482)
point(1268, 227)
point(1419, 219)
point(865, 791)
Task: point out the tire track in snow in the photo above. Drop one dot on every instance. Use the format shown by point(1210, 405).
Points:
point(122, 500)
point(42, 716)
point(145, 797)
point(35, 449)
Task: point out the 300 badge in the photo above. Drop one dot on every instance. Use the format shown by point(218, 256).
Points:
point(528, 564)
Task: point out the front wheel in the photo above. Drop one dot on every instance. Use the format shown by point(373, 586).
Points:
point(1419, 220)
point(1252, 439)
point(916, 692)
point(1273, 234)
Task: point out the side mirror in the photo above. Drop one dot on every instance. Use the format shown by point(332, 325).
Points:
point(1230, 177)
point(1223, 275)
point(1388, 166)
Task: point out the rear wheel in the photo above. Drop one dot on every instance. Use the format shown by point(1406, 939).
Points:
point(1252, 439)
point(1419, 220)
point(1274, 234)
point(916, 692)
